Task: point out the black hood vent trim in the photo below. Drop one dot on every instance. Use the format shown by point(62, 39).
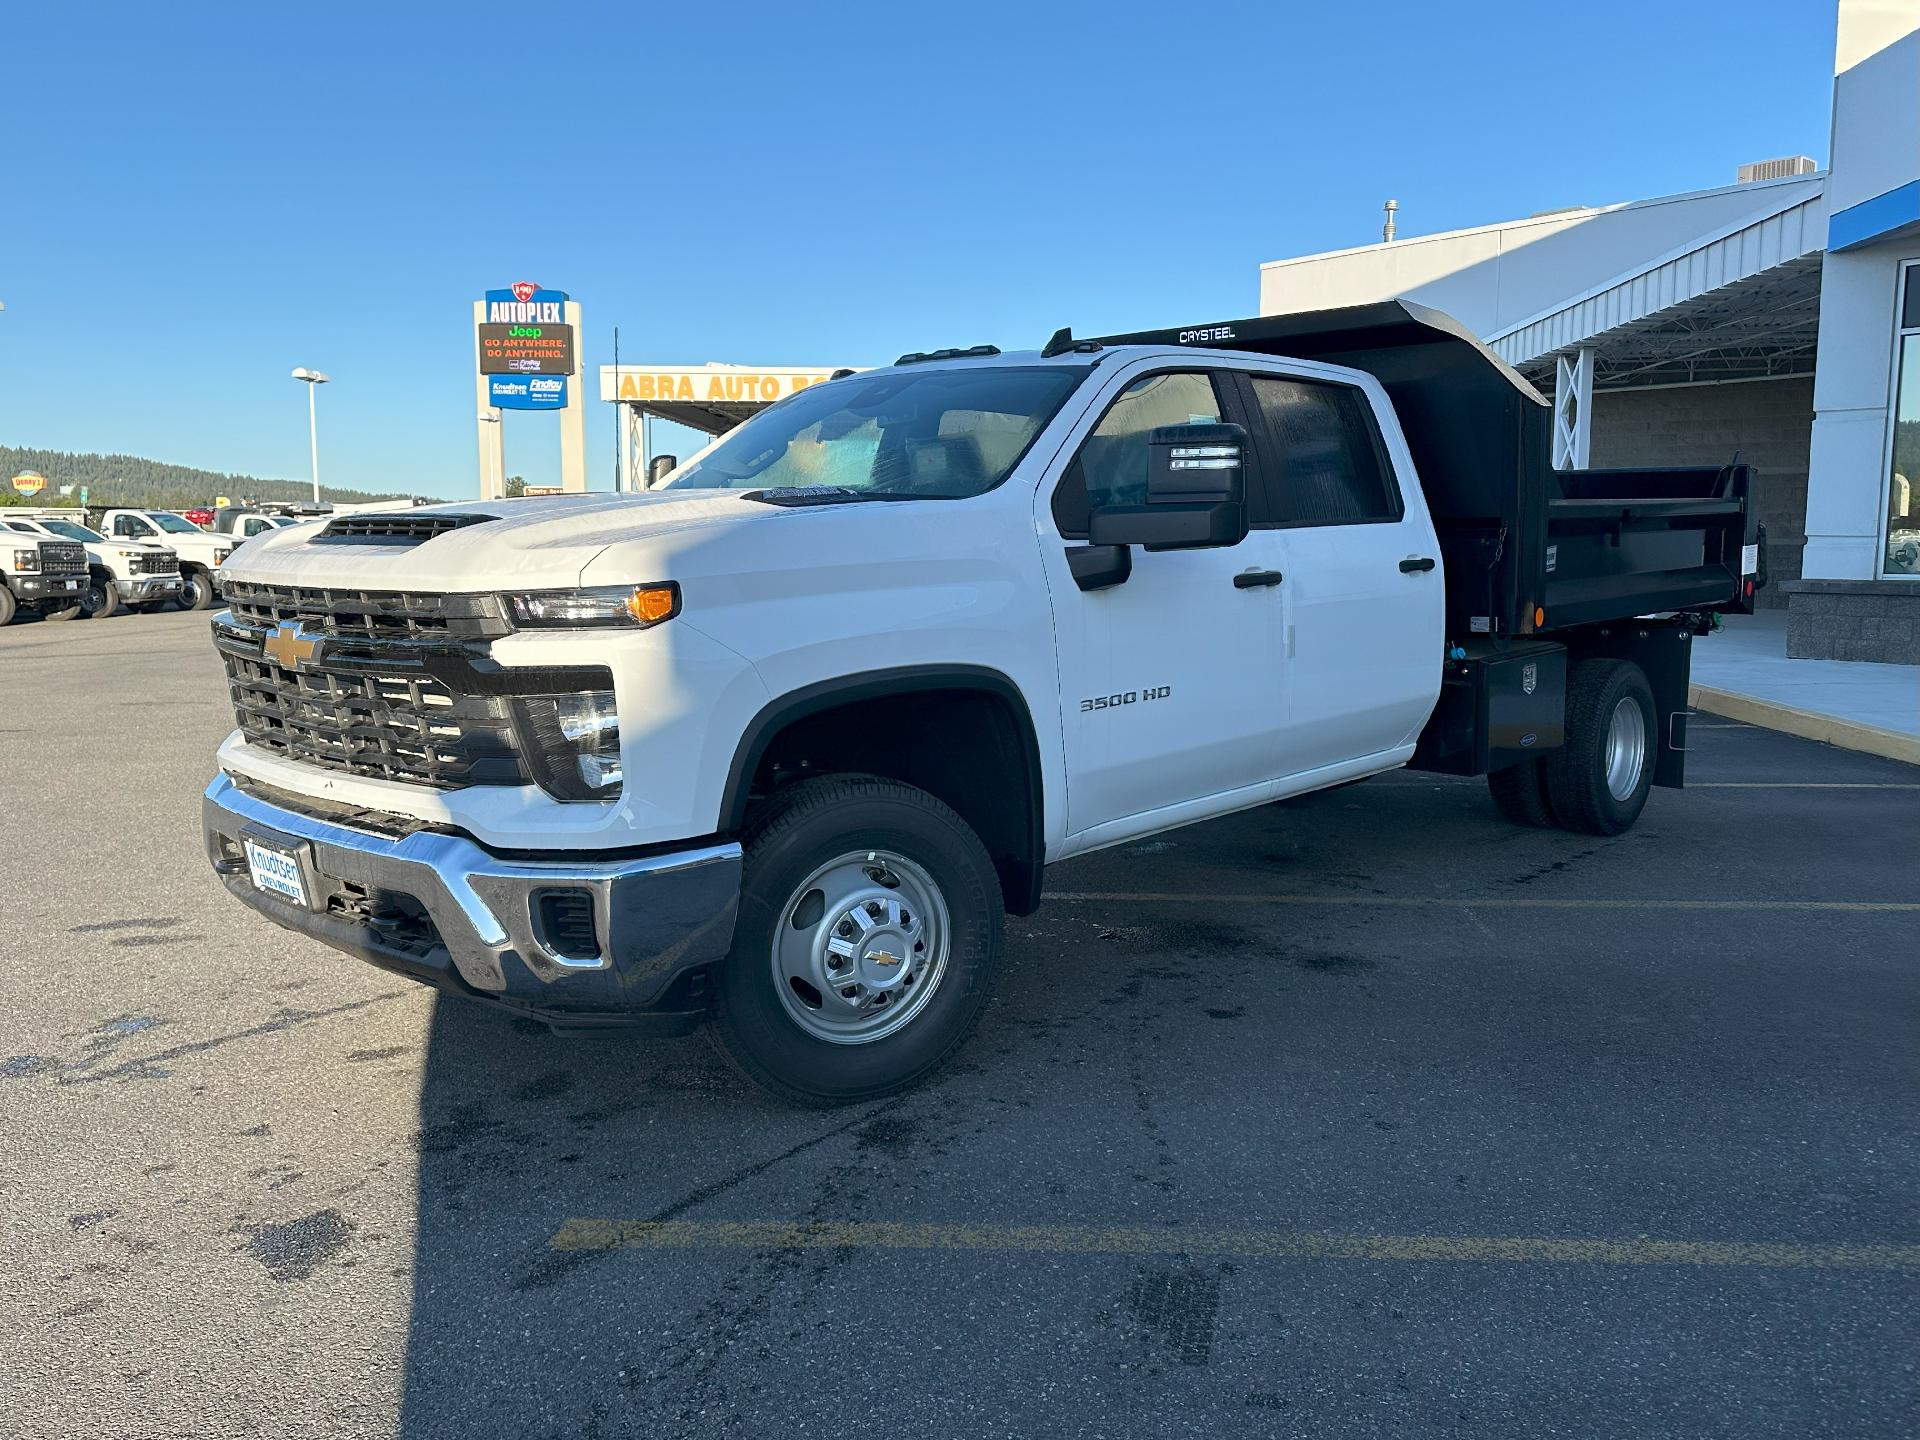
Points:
point(396, 528)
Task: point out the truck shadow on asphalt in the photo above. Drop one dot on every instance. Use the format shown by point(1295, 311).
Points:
point(1163, 1053)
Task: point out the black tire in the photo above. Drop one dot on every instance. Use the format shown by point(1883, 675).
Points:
point(1520, 793)
point(9, 607)
point(101, 599)
point(799, 830)
point(196, 590)
point(71, 612)
point(1577, 773)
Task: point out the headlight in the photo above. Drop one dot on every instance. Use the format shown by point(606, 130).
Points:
point(220, 558)
point(573, 742)
point(129, 554)
point(26, 559)
point(634, 606)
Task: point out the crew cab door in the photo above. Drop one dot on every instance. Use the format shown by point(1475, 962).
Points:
point(1365, 609)
point(1170, 680)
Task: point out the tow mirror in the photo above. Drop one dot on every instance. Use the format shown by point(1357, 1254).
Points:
point(1196, 493)
point(660, 467)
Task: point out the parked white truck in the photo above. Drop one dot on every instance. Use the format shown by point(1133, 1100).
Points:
point(779, 741)
point(119, 572)
point(42, 574)
point(201, 552)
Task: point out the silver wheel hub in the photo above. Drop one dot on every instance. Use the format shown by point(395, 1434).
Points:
point(861, 946)
point(1626, 748)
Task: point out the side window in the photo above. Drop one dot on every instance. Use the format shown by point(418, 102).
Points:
point(131, 527)
point(1111, 468)
point(1327, 465)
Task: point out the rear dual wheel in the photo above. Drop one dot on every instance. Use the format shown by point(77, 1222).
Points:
point(1597, 782)
point(867, 943)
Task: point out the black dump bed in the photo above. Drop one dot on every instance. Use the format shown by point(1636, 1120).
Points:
point(1527, 548)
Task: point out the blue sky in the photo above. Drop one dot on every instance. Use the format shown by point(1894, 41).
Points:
point(194, 199)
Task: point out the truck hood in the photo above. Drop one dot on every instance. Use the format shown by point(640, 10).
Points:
point(539, 543)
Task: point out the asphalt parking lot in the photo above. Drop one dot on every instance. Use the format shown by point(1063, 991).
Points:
point(1361, 1115)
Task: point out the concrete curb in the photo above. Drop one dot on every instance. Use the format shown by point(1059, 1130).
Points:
point(1807, 724)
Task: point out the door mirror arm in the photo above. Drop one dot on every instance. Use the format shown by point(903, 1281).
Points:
point(1097, 567)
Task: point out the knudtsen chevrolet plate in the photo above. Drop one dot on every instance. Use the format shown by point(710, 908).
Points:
point(275, 872)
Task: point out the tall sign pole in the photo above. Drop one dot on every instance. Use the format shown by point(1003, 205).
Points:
point(493, 467)
point(573, 419)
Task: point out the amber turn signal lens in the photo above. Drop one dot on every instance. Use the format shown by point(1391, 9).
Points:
point(1539, 617)
point(651, 603)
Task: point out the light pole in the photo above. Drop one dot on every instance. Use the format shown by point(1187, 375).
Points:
point(314, 381)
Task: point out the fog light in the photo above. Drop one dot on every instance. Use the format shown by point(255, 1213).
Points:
point(572, 743)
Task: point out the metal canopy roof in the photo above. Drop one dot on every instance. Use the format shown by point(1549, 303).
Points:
point(1740, 304)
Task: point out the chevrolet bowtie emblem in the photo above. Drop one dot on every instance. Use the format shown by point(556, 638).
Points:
point(289, 645)
point(881, 957)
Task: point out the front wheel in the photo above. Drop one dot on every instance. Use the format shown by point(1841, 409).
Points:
point(867, 944)
point(196, 590)
point(101, 598)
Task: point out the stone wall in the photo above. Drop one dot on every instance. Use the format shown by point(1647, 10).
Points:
point(1855, 620)
point(1769, 422)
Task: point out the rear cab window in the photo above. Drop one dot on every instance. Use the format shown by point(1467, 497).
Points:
point(1325, 462)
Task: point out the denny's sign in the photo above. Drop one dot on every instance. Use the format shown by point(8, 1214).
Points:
point(707, 384)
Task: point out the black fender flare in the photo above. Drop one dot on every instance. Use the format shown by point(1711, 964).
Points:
point(1023, 891)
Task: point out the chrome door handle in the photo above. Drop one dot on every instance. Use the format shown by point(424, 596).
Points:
point(1253, 579)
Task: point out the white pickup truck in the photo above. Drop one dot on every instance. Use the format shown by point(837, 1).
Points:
point(119, 572)
point(201, 553)
point(779, 741)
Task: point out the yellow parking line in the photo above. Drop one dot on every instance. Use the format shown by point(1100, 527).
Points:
point(603, 1235)
point(1459, 902)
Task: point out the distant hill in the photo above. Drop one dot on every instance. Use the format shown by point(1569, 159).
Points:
point(131, 480)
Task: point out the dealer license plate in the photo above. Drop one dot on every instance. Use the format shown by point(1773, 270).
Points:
point(276, 872)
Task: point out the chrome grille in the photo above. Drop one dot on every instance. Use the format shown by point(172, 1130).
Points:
point(367, 614)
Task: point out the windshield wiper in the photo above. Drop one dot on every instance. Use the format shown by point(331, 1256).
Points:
point(797, 495)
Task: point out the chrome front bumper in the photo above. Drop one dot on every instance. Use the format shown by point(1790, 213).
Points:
point(446, 911)
point(148, 587)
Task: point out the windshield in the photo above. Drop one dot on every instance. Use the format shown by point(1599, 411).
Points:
point(74, 532)
point(173, 524)
point(925, 435)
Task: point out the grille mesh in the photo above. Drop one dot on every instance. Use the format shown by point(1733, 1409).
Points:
point(62, 557)
point(156, 565)
point(363, 704)
point(403, 727)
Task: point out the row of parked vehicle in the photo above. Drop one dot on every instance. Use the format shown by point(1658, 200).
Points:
point(69, 563)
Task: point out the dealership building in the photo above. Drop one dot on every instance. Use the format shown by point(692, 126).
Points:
point(1778, 317)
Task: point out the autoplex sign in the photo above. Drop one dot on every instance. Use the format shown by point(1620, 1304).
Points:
point(707, 386)
point(525, 333)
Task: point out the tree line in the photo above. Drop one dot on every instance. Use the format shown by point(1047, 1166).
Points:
point(134, 481)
